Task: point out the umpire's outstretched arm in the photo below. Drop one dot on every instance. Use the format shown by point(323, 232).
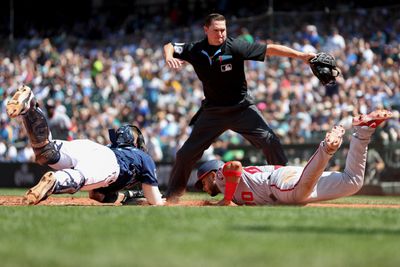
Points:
point(284, 51)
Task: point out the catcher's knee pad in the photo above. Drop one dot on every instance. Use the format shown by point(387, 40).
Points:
point(69, 181)
point(48, 154)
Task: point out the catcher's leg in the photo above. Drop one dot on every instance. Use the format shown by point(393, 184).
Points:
point(59, 182)
point(40, 191)
point(23, 104)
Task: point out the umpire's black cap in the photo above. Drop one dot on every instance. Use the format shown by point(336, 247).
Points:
point(205, 168)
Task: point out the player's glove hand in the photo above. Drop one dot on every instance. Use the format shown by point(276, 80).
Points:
point(323, 66)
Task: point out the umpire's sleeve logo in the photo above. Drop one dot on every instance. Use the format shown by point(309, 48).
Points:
point(178, 48)
point(226, 67)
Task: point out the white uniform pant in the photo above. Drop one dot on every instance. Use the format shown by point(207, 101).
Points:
point(296, 185)
point(85, 164)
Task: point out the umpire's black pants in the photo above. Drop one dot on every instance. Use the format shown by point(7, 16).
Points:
point(211, 123)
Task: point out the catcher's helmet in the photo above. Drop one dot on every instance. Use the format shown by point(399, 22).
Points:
point(130, 135)
point(205, 168)
point(125, 136)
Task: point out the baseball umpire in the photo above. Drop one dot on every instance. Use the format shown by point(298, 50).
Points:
point(218, 61)
point(83, 164)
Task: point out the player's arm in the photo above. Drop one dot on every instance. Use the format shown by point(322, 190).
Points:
point(152, 194)
point(232, 172)
point(171, 61)
point(149, 181)
point(284, 51)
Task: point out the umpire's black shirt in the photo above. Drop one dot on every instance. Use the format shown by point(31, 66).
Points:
point(221, 68)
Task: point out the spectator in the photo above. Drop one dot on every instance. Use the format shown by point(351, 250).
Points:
point(58, 120)
point(375, 166)
point(335, 43)
point(132, 77)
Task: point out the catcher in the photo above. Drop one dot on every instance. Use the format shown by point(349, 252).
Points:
point(262, 185)
point(83, 164)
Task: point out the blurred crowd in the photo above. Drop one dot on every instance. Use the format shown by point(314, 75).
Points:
point(87, 87)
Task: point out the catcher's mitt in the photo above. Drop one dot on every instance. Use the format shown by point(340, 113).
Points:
point(323, 66)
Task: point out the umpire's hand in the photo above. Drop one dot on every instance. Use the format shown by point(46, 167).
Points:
point(174, 63)
point(307, 56)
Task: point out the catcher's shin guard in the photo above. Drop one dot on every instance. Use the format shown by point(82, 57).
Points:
point(23, 103)
point(36, 126)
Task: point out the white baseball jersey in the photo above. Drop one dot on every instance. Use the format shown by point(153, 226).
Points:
point(261, 185)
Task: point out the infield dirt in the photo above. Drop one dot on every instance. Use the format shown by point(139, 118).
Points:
point(82, 201)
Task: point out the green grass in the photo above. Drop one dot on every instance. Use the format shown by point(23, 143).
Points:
point(201, 236)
